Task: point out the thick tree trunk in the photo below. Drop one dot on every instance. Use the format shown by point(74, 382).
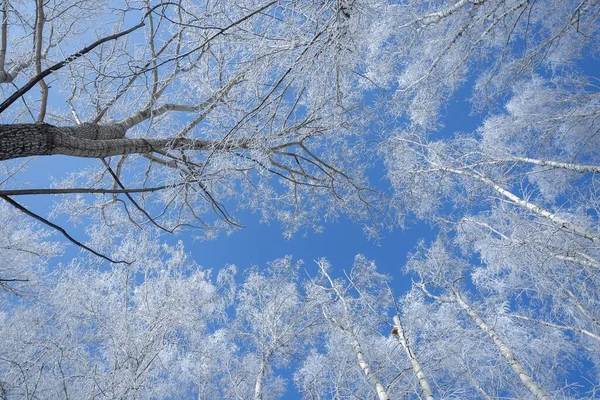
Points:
point(85, 140)
point(506, 352)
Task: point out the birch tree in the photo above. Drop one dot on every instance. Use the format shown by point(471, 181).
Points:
point(423, 52)
point(434, 267)
point(274, 325)
point(363, 354)
point(401, 335)
point(25, 251)
point(118, 332)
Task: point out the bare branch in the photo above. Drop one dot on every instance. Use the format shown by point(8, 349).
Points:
point(59, 229)
point(20, 92)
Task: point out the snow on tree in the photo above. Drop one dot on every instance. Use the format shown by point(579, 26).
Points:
point(181, 113)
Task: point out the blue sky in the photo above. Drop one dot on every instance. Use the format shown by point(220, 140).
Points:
point(258, 243)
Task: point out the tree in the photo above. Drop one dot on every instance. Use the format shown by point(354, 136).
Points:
point(401, 335)
point(423, 52)
point(25, 250)
point(115, 332)
point(522, 190)
point(341, 319)
point(436, 267)
point(275, 324)
point(364, 351)
point(188, 105)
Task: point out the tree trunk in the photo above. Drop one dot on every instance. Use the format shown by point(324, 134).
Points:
point(583, 168)
point(371, 378)
point(559, 221)
point(426, 392)
point(506, 352)
point(259, 380)
point(85, 140)
point(557, 326)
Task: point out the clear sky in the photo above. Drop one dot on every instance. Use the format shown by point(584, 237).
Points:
point(258, 243)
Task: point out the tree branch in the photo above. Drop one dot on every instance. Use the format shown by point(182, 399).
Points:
point(16, 95)
point(27, 192)
point(58, 228)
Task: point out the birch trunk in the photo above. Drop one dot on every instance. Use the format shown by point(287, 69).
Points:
point(346, 328)
point(426, 392)
point(259, 380)
point(364, 365)
point(582, 309)
point(581, 259)
point(561, 222)
point(506, 352)
point(583, 168)
point(557, 326)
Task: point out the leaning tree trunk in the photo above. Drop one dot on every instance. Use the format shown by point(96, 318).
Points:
point(559, 221)
point(400, 335)
point(85, 140)
point(506, 352)
point(364, 366)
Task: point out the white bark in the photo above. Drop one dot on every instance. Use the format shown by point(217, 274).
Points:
point(561, 222)
point(426, 392)
point(556, 164)
point(364, 365)
point(557, 326)
point(506, 352)
point(586, 262)
point(259, 380)
point(347, 328)
point(432, 18)
point(207, 105)
point(581, 259)
point(581, 308)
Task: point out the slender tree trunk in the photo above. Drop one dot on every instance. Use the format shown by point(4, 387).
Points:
point(583, 168)
point(426, 392)
point(86, 140)
point(582, 309)
point(258, 390)
point(581, 259)
point(3, 39)
point(7, 76)
point(39, 32)
point(561, 222)
point(354, 342)
point(506, 352)
point(364, 365)
point(557, 326)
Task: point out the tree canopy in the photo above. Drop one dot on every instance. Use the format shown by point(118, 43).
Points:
point(179, 117)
